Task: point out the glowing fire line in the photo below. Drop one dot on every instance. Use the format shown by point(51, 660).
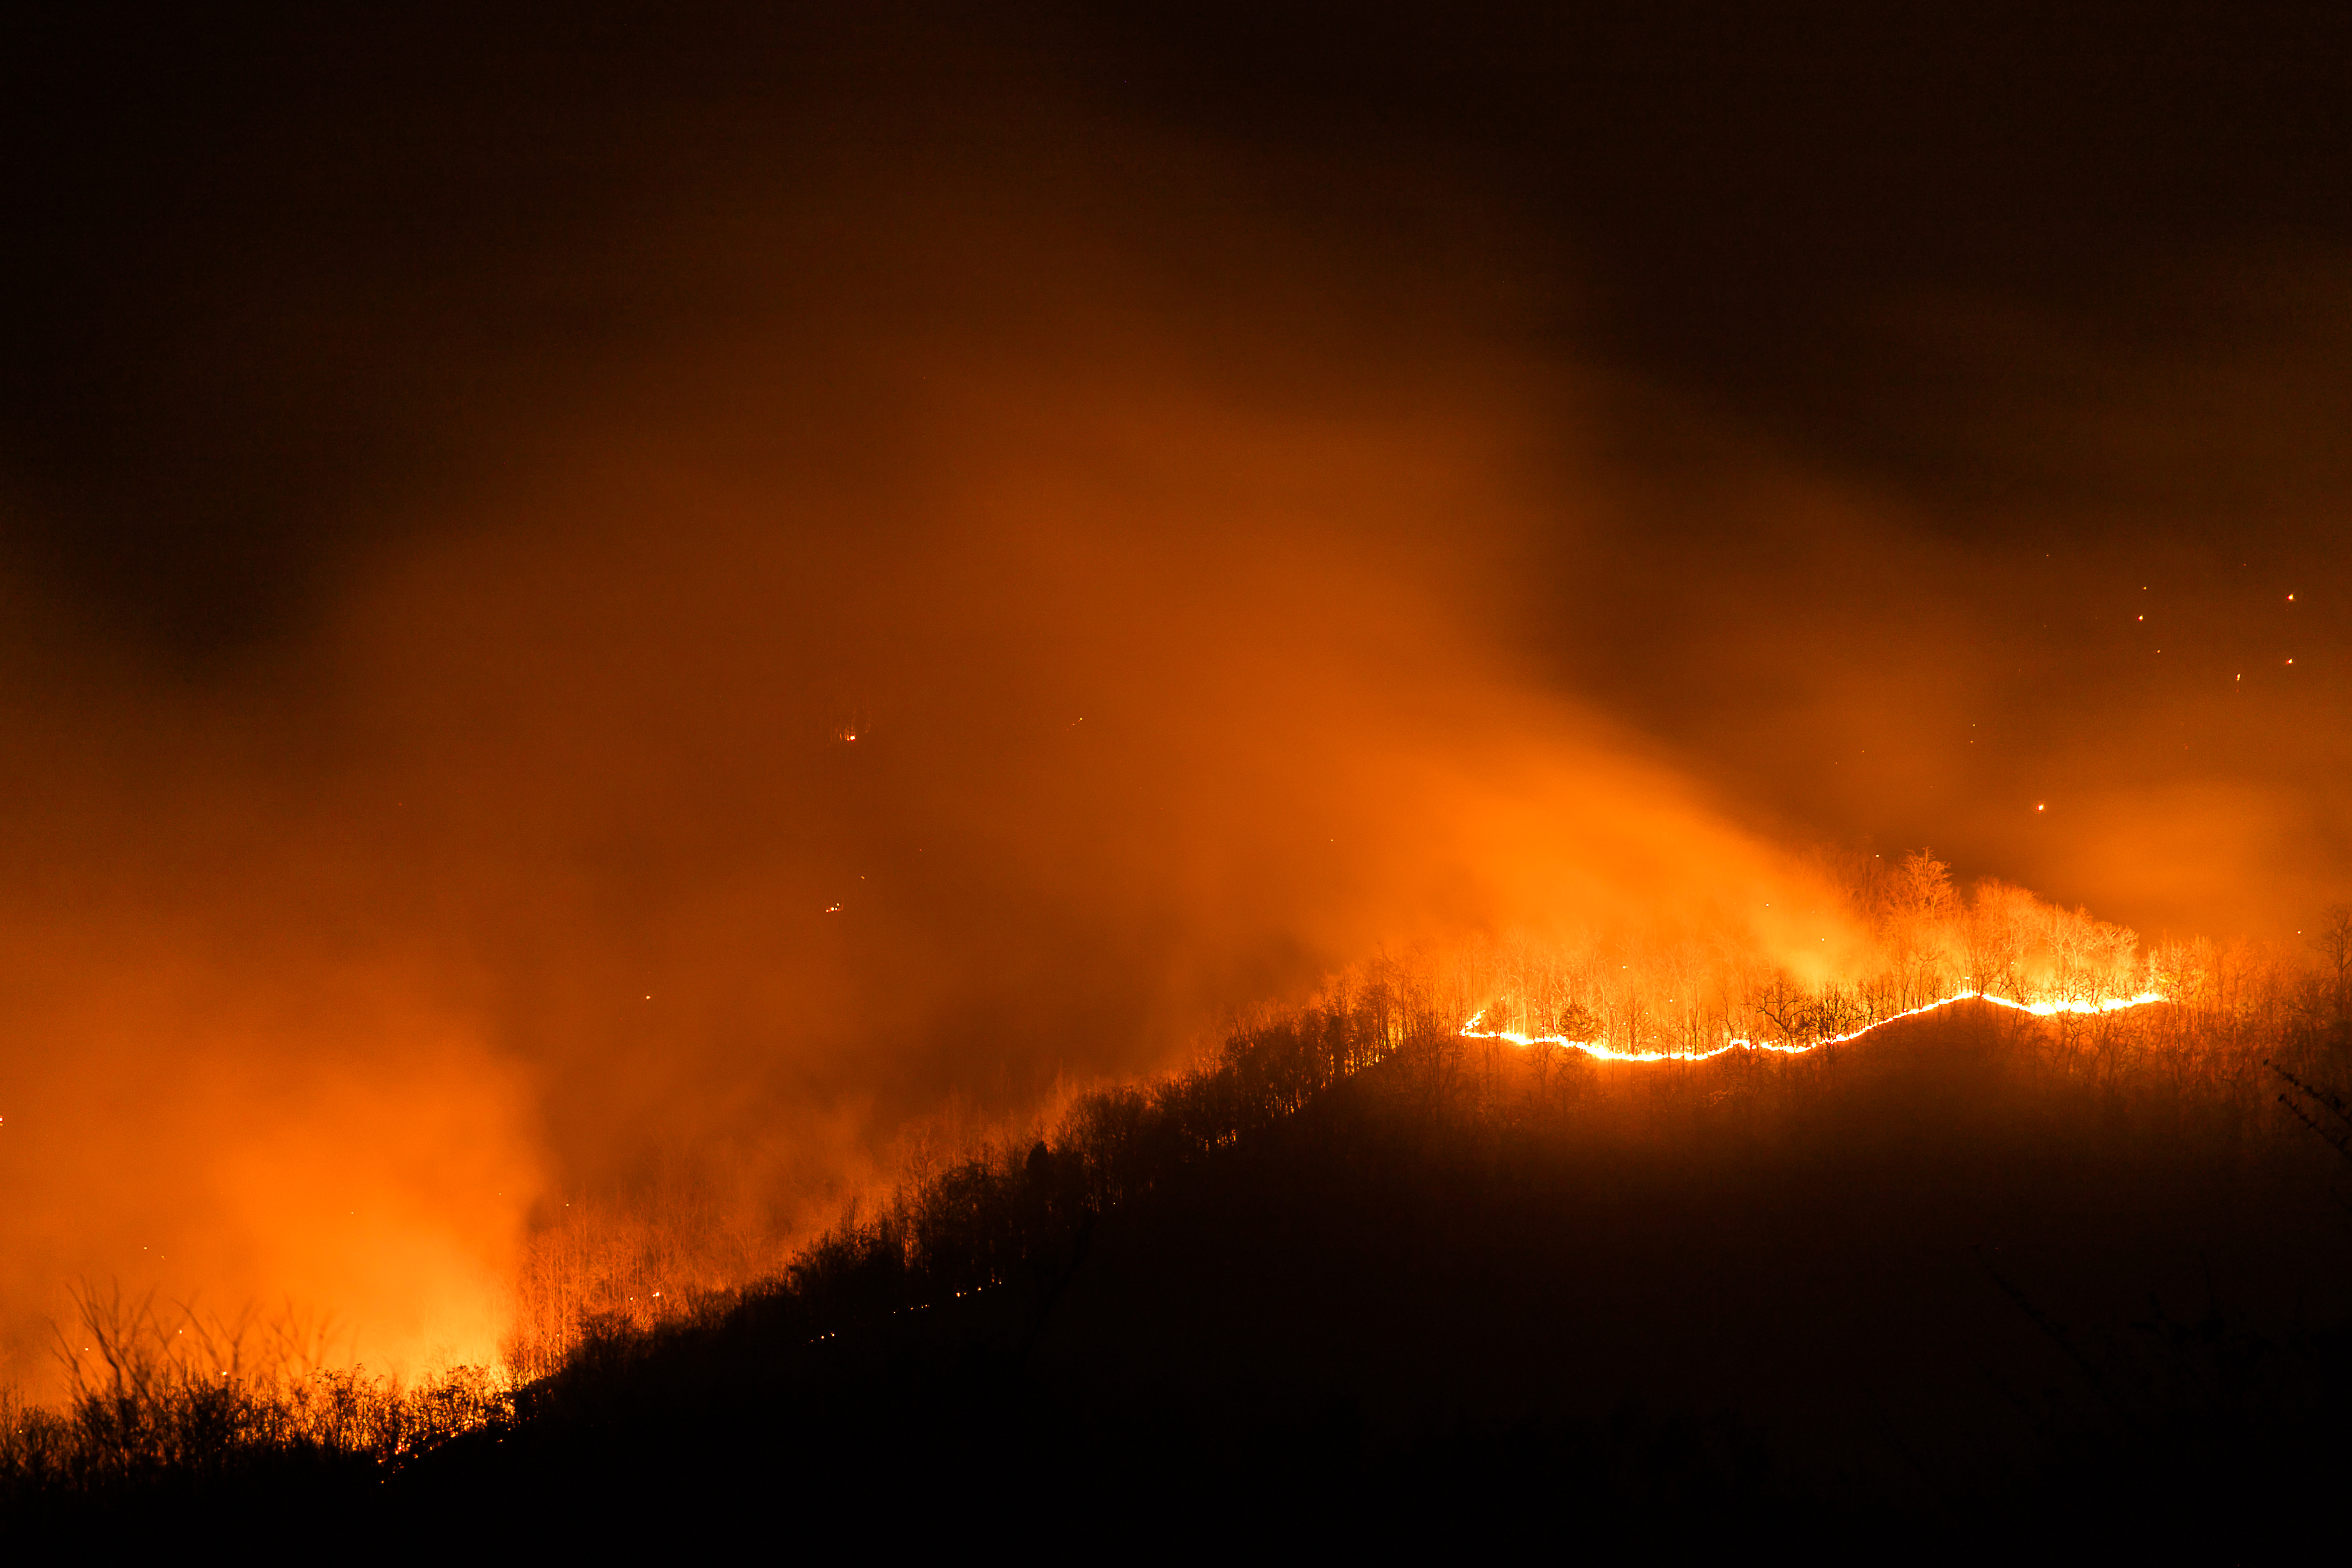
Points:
point(1609, 1054)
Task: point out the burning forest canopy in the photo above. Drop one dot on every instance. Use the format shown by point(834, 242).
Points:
point(591, 679)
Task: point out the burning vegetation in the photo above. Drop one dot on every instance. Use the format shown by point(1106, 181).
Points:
point(1929, 948)
point(1063, 1281)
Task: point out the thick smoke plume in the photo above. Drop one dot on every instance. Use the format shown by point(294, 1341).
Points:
point(808, 728)
point(972, 639)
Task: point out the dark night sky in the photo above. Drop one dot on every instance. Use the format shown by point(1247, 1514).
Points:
point(262, 269)
point(256, 265)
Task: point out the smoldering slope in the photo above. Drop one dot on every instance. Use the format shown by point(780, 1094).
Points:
point(982, 664)
point(990, 627)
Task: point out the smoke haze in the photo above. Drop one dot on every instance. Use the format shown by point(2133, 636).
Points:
point(816, 633)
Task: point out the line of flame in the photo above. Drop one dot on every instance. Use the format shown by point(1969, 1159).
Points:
point(1609, 1054)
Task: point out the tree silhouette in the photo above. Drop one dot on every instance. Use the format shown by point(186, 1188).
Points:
point(1576, 1022)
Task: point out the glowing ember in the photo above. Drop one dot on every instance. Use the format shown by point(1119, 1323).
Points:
point(1600, 1051)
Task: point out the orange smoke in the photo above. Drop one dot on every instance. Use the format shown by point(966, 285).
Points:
point(969, 633)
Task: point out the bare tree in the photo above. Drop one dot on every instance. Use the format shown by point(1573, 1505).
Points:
point(1927, 884)
point(1788, 1008)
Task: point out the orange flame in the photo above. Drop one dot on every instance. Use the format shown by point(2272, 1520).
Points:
point(1602, 1052)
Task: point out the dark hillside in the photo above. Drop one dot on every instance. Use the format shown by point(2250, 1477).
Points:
point(1821, 1259)
point(1914, 1278)
point(1360, 1278)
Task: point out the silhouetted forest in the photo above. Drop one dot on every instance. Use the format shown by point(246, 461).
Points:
point(1359, 1274)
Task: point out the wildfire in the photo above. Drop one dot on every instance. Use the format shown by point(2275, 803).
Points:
point(1600, 1051)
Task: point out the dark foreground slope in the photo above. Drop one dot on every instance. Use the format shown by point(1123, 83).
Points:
point(1947, 1280)
point(1966, 1277)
